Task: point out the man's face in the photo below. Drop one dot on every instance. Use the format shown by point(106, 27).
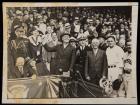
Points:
point(20, 32)
point(20, 62)
point(26, 12)
point(105, 20)
point(60, 24)
point(35, 33)
point(31, 15)
point(68, 28)
point(76, 22)
point(49, 30)
point(122, 43)
point(54, 36)
point(101, 40)
point(114, 19)
point(66, 38)
point(129, 47)
point(95, 43)
point(117, 31)
point(82, 43)
point(111, 42)
point(73, 44)
point(97, 22)
point(122, 26)
point(19, 17)
point(110, 19)
point(85, 27)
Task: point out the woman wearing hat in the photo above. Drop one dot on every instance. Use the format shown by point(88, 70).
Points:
point(65, 55)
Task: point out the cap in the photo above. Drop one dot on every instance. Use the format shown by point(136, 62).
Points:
point(82, 38)
point(72, 39)
point(67, 25)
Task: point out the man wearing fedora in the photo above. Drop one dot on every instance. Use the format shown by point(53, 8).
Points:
point(81, 52)
point(65, 55)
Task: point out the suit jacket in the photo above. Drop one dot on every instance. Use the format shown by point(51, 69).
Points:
point(80, 60)
point(96, 65)
point(27, 72)
point(65, 57)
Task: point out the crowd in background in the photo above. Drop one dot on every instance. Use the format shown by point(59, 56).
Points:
point(42, 25)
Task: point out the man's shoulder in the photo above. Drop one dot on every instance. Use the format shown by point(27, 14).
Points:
point(118, 48)
point(102, 51)
point(71, 47)
point(89, 52)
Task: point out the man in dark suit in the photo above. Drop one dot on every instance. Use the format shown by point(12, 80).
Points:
point(23, 70)
point(81, 53)
point(96, 63)
point(65, 55)
point(79, 67)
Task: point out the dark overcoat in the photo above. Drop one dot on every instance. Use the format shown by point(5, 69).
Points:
point(64, 59)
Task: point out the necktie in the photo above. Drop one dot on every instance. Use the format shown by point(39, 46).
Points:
point(21, 70)
point(95, 51)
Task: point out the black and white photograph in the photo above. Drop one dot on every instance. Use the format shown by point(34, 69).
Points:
point(70, 53)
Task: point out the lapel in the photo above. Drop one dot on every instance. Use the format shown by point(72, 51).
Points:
point(19, 74)
point(98, 54)
point(65, 49)
point(95, 57)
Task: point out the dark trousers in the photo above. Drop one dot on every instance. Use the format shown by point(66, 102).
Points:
point(95, 80)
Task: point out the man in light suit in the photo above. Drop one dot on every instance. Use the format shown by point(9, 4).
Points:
point(96, 63)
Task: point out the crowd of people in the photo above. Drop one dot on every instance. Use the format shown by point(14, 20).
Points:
point(92, 42)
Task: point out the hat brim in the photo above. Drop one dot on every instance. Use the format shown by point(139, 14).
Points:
point(63, 35)
point(81, 39)
point(73, 41)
